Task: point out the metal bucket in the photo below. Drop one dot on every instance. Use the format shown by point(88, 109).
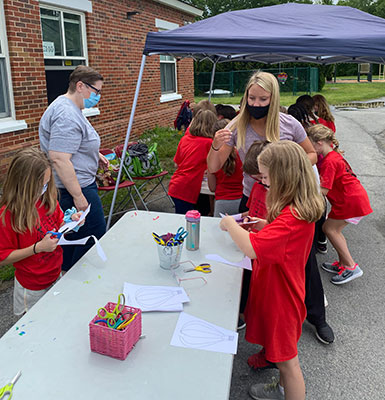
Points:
point(169, 256)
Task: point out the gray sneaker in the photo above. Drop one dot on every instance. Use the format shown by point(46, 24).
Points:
point(347, 274)
point(333, 268)
point(269, 391)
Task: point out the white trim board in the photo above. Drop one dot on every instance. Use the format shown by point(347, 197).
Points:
point(79, 5)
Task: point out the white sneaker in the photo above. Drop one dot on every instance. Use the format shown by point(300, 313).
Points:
point(326, 303)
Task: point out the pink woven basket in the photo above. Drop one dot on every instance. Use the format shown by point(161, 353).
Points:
point(112, 342)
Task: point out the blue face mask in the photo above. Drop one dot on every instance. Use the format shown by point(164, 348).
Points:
point(92, 100)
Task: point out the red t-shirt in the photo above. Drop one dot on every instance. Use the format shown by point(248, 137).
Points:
point(275, 307)
point(346, 194)
point(257, 201)
point(328, 124)
point(190, 157)
point(39, 271)
point(229, 187)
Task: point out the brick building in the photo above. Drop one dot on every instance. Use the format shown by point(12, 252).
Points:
point(41, 42)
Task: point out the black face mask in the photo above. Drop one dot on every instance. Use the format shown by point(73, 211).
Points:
point(257, 112)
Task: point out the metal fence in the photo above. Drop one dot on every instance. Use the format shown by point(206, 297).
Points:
point(296, 79)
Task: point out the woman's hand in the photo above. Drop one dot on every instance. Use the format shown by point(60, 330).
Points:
point(76, 217)
point(48, 244)
point(221, 137)
point(103, 162)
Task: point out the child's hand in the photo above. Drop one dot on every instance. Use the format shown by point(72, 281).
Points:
point(221, 137)
point(48, 244)
point(226, 222)
point(250, 226)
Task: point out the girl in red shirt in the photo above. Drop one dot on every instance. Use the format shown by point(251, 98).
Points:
point(28, 210)
point(227, 182)
point(275, 308)
point(322, 109)
point(347, 197)
point(190, 158)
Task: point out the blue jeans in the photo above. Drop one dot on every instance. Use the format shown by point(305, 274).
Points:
point(181, 206)
point(95, 224)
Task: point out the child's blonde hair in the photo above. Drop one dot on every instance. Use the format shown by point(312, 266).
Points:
point(269, 83)
point(22, 189)
point(323, 108)
point(203, 124)
point(292, 182)
point(321, 132)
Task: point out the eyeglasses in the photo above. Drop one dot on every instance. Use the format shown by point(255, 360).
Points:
point(98, 91)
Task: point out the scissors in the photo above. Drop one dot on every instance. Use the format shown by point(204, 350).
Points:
point(6, 391)
point(158, 239)
point(104, 314)
point(57, 234)
point(180, 235)
point(205, 268)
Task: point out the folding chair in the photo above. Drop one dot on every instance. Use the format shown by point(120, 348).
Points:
point(143, 181)
point(124, 200)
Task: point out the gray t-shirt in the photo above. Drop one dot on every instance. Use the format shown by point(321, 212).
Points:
point(289, 129)
point(65, 129)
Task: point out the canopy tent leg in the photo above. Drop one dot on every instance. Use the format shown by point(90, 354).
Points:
point(212, 78)
point(127, 138)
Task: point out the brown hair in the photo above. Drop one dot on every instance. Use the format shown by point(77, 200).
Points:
point(230, 164)
point(85, 74)
point(250, 164)
point(23, 186)
point(203, 105)
point(203, 124)
point(320, 132)
point(323, 108)
point(292, 182)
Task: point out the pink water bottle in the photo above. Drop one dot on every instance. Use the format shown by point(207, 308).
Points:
point(193, 219)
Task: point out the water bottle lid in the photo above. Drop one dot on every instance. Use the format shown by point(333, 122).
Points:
point(193, 215)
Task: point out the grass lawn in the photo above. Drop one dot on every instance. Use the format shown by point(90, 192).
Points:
point(335, 93)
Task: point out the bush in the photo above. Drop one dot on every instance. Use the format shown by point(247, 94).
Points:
point(167, 140)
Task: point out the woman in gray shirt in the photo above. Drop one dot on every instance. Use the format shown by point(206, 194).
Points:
point(72, 145)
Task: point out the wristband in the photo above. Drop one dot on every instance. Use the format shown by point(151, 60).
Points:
point(34, 248)
point(214, 148)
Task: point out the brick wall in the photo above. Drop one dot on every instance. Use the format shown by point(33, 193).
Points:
point(115, 45)
point(115, 50)
point(28, 77)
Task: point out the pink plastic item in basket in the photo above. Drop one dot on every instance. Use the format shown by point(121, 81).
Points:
point(112, 342)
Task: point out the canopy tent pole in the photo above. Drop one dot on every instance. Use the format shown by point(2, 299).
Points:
point(212, 78)
point(127, 138)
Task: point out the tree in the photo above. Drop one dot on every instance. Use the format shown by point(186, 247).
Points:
point(215, 7)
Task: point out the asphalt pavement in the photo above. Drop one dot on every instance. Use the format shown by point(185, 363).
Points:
point(352, 368)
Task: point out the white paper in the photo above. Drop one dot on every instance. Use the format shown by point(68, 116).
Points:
point(196, 333)
point(244, 263)
point(237, 217)
point(155, 298)
point(71, 225)
point(64, 242)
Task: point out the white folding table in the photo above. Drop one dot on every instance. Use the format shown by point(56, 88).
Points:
point(54, 352)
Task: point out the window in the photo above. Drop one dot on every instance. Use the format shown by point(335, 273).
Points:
point(5, 87)
point(64, 47)
point(168, 73)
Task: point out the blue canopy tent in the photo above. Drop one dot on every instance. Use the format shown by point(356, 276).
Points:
point(283, 33)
